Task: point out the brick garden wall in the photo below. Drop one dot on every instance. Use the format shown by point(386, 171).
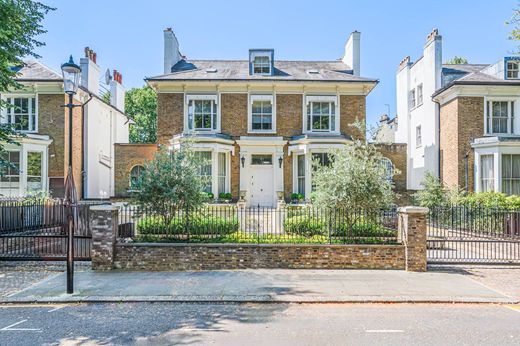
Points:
point(223, 256)
point(126, 157)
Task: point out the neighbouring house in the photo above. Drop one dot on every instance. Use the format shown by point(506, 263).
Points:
point(39, 162)
point(465, 130)
point(386, 129)
point(259, 122)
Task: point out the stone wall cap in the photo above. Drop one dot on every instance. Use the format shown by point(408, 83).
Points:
point(413, 210)
point(104, 207)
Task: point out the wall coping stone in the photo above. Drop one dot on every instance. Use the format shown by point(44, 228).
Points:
point(104, 207)
point(413, 210)
point(390, 246)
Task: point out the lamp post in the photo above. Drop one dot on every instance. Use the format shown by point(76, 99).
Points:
point(71, 74)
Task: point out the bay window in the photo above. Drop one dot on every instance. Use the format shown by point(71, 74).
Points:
point(34, 171)
point(21, 112)
point(222, 176)
point(202, 113)
point(10, 174)
point(205, 168)
point(511, 174)
point(301, 174)
point(500, 117)
point(487, 175)
point(321, 114)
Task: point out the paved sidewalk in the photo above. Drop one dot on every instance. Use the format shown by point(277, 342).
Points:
point(264, 285)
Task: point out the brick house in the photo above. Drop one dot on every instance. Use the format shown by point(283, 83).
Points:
point(464, 129)
point(40, 159)
point(259, 121)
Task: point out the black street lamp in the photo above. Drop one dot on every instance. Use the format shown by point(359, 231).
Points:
point(71, 75)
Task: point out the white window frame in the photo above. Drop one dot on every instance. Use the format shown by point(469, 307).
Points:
point(215, 128)
point(512, 111)
point(262, 65)
point(515, 70)
point(494, 173)
point(412, 99)
point(418, 136)
point(4, 114)
point(419, 94)
point(315, 98)
point(510, 179)
point(269, 98)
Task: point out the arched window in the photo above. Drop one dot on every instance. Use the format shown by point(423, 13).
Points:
point(135, 173)
point(389, 168)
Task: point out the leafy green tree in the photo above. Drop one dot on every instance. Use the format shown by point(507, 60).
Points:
point(433, 193)
point(457, 60)
point(20, 25)
point(141, 106)
point(356, 178)
point(170, 182)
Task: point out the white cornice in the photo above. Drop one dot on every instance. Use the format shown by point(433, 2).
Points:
point(477, 91)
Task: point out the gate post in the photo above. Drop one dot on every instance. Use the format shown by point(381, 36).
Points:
point(412, 232)
point(103, 224)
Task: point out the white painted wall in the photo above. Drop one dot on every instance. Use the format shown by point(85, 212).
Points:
point(426, 71)
point(104, 126)
point(352, 56)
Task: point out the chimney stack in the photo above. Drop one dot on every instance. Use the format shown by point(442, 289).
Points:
point(171, 50)
point(353, 53)
point(90, 71)
point(117, 91)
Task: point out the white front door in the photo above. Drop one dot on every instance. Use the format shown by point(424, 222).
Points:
point(261, 189)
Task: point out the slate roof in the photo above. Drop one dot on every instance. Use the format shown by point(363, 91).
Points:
point(36, 71)
point(469, 74)
point(238, 70)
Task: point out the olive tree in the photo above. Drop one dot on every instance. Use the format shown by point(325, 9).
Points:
point(170, 182)
point(355, 179)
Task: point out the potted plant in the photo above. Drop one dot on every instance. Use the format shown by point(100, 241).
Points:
point(225, 197)
point(211, 196)
point(297, 198)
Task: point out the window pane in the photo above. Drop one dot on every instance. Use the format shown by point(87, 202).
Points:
point(487, 173)
point(205, 168)
point(222, 173)
point(34, 171)
point(301, 174)
point(261, 159)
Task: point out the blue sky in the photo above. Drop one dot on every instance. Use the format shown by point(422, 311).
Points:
point(127, 35)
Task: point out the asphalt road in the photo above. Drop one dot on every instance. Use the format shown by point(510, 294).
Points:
point(259, 324)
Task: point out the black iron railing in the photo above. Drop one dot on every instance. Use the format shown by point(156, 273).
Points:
point(460, 233)
point(257, 225)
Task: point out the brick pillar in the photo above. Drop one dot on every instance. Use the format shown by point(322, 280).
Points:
point(412, 232)
point(103, 224)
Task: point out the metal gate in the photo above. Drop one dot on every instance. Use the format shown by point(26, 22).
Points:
point(36, 231)
point(462, 234)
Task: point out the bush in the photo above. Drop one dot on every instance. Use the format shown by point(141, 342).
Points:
point(363, 229)
point(196, 224)
point(225, 195)
point(306, 225)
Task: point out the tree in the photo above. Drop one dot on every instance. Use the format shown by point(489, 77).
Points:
point(514, 35)
point(457, 60)
point(141, 106)
point(170, 182)
point(356, 179)
point(20, 24)
point(433, 193)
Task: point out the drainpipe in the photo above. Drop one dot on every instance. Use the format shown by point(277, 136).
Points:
point(83, 146)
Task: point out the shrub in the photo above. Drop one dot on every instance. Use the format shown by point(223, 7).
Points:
point(433, 193)
point(305, 225)
point(225, 195)
point(196, 224)
point(363, 229)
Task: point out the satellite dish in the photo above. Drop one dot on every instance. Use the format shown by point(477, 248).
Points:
point(108, 77)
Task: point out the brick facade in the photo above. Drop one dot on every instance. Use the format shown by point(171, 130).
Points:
point(170, 116)
point(397, 154)
point(103, 225)
point(126, 157)
point(51, 122)
point(234, 122)
point(461, 120)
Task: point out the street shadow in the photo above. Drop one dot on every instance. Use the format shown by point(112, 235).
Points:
point(163, 323)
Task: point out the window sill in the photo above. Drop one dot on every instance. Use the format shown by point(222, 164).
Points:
point(253, 132)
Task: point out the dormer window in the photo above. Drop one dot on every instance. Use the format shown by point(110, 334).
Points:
point(512, 69)
point(261, 65)
point(261, 62)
